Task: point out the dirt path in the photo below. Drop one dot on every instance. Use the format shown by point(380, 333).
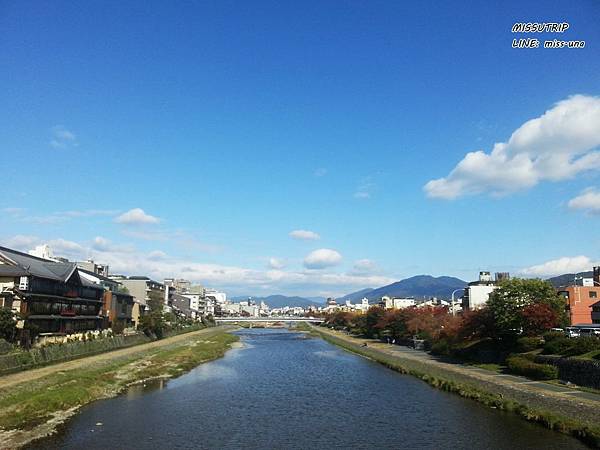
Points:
point(34, 374)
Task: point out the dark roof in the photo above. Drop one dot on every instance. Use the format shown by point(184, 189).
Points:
point(32, 265)
point(121, 294)
point(100, 277)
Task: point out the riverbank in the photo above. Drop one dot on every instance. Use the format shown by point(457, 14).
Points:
point(33, 405)
point(553, 408)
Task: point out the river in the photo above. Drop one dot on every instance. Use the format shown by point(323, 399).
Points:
point(285, 390)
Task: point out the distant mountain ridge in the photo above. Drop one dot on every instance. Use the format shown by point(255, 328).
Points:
point(568, 278)
point(418, 286)
point(355, 296)
point(279, 301)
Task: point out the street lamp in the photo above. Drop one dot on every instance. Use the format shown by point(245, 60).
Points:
point(452, 301)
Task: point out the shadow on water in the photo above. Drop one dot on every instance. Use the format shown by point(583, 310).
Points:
point(285, 390)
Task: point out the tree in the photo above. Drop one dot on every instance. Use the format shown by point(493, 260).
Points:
point(8, 324)
point(374, 314)
point(537, 318)
point(508, 301)
point(153, 321)
point(477, 323)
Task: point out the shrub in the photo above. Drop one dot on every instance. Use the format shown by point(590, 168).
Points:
point(441, 347)
point(482, 351)
point(552, 335)
point(558, 346)
point(530, 369)
point(581, 345)
point(527, 344)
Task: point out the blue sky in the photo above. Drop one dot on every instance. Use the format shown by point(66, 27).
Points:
point(233, 124)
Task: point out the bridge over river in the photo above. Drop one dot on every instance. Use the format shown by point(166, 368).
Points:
point(274, 319)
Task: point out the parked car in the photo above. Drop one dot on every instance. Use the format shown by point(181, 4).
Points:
point(589, 331)
point(572, 332)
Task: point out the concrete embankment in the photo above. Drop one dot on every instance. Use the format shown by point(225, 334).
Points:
point(556, 407)
point(34, 403)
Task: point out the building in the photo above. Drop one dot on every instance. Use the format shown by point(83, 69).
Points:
point(215, 301)
point(182, 305)
point(117, 308)
point(181, 286)
point(91, 266)
point(582, 298)
point(388, 302)
point(579, 302)
point(143, 290)
point(477, 293)
point(197, 303)
point(596, 312)
point(51, 296)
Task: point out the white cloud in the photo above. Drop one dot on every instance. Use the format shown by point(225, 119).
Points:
point(322, 258)
point(276, 263)
point(157, 255)
point(320, 172)
point(101, 244)
point(304, 235)
point(69, 249)
point(136, 216)
point(234, 280)
point(21, 242)
point(63, 138)
point(588, 200)
point(555, 146)
point(363, 267)
point(566, 264)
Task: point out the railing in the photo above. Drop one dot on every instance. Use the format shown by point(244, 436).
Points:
point(269, 319)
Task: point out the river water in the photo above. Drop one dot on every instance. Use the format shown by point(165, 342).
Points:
point(284, 390)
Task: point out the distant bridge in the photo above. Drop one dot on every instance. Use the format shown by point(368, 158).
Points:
point(269, 319)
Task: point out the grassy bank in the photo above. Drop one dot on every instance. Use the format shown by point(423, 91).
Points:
point(34, 409)
point(587, 433)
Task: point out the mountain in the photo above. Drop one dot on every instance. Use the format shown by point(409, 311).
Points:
point(568, 278)
point(279, 301)
point(419, 286)
point(355, 296)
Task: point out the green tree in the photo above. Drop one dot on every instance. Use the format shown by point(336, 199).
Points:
point(373, 316)
point(8, 324)
point(153, 321)
point(510, 299)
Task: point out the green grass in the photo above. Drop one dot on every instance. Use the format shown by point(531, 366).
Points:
point(594, 355)
point(498, 368)
point(26, 405)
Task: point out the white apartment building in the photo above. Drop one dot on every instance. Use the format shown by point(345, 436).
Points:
point(397, 302)
point(478, 292)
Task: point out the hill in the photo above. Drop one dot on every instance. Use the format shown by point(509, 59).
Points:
point(419, 286)
point(279, 301)
point(355, 296)
point(568, 278)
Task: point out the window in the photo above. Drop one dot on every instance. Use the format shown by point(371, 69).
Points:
point(593, 294)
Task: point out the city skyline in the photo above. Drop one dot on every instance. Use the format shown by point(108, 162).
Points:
point(268, 149)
